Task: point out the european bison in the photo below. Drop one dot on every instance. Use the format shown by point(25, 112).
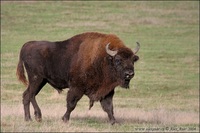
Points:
point(89, 63)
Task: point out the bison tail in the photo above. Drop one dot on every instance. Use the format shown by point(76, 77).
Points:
point(20, 73)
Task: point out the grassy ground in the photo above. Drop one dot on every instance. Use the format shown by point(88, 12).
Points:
point(164, 94)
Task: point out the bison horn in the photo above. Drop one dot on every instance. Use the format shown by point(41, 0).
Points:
point(137, 48)
point(110, 52)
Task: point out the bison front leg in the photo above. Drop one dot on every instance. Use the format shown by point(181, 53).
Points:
point(107, 106)
point(73, 96)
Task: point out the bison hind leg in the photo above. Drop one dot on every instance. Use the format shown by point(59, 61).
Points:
point(35, 85)
point(26, 103)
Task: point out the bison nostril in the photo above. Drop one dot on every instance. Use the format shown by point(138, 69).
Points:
point(129, 74)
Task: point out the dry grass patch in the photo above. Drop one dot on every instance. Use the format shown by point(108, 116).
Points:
point(123, 115)
point(159, 116)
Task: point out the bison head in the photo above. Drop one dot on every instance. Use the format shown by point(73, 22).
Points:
point(123, 61)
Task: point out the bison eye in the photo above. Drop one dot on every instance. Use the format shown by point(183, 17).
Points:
point(118, 61)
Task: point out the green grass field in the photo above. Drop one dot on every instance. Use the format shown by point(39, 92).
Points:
point(164, 94)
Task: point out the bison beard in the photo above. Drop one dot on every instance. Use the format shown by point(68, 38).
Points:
point(91, 64)
point(126, 83)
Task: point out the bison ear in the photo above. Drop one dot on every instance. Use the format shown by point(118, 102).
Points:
point(135, 58)
point(110, 52)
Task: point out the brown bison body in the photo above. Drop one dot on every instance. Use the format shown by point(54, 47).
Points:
point(90, 63)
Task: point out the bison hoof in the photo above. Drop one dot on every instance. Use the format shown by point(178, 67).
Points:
point(112, 122)
point(38, 119)
point(65, 119)
point(28, 119)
